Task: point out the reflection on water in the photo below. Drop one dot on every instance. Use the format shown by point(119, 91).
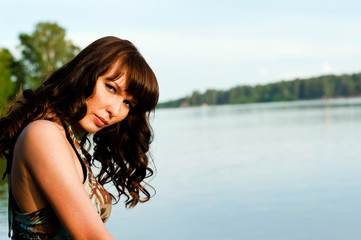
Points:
point(288, 170)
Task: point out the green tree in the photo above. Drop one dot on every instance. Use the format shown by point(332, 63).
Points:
point(18, 74)
point(196, 98)
point(7, 84)
point(211, 96)
point(356, 80)
point(45, 50)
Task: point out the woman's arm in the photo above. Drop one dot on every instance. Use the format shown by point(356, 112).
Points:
point(45, 152)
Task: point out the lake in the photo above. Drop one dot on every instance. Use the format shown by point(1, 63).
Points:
point(265, 171)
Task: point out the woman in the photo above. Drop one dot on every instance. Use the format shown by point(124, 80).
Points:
point(107, 91)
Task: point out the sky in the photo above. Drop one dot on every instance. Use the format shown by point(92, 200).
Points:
point(207, 44)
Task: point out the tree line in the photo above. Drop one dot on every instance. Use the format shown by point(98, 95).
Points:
point(42, 51)
point(327, 86)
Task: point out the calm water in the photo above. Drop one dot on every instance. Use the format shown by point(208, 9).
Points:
point(275, 171)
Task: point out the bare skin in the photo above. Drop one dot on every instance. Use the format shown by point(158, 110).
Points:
point(46, 170)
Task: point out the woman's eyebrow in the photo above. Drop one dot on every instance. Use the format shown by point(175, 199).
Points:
point(123, 89)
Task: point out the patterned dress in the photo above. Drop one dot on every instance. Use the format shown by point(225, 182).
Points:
point(43, 223)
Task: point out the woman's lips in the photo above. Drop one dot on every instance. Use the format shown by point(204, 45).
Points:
point(99, 121)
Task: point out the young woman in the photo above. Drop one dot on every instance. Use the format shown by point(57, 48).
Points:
point(107, 92)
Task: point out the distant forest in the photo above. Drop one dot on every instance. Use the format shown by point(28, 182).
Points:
point(327, 86)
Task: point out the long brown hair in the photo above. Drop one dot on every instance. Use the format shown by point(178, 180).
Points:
point(122, 149)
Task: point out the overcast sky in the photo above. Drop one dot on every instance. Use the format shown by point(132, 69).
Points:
point(204, 44)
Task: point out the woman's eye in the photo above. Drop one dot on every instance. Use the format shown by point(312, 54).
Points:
point(110, 88)
point(127, 104)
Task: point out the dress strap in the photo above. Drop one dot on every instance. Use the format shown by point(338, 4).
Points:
point(71, 141)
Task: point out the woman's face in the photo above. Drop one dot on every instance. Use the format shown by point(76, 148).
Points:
point(109, 103)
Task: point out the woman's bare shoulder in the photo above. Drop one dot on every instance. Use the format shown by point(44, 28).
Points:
point(46, 127)
point(41, 136)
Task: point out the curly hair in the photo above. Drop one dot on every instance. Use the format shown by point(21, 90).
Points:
point(122, 149)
